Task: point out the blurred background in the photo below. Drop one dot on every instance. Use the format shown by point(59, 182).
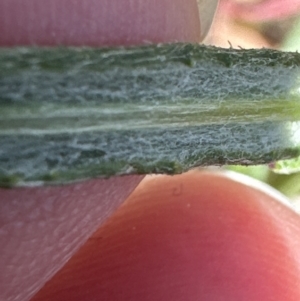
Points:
point(256, 24)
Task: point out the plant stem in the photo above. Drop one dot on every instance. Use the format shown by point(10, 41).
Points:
point(73, 113)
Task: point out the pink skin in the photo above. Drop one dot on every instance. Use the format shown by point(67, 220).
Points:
point(263, 11)
point(94, 22)
point(197, 236)
point(40, 228)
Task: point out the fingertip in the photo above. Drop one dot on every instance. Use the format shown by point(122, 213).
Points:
point(197, 236)
point(98, 23)
point(42, 227)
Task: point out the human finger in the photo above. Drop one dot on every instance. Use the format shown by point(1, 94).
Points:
point(196, 236)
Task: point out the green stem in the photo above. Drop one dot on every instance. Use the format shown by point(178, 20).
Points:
point(74, 113)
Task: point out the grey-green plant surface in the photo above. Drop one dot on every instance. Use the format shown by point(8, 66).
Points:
point(74, 113)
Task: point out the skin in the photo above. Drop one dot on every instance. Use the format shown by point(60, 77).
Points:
point(98, 23)
point(196, 236)
point(264, 11)
point(41, 228)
